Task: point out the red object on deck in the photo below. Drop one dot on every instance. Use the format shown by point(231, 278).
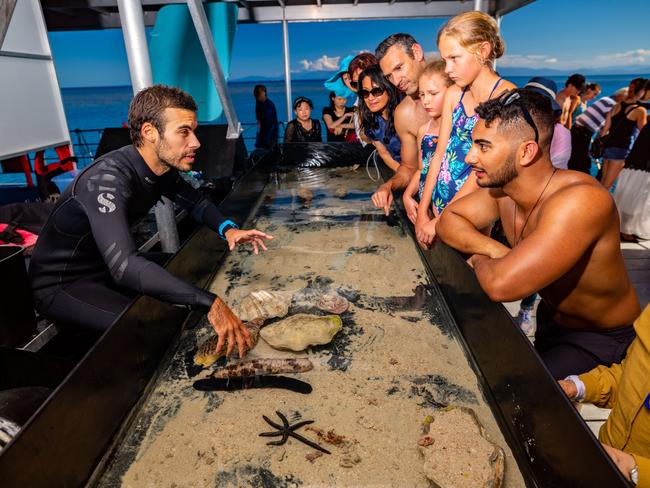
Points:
point(65, 163)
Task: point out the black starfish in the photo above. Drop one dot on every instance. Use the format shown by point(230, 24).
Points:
point(286, 431)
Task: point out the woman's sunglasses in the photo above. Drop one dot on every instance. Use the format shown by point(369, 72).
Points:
point(375, 92)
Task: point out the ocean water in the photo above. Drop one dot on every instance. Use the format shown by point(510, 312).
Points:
point(100, 107)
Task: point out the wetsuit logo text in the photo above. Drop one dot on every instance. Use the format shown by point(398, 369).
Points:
point(106, 206)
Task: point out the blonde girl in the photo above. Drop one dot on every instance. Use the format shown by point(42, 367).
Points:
point(469, 43)
point(432, 86)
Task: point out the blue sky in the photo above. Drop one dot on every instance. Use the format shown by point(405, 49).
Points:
point(555, 34)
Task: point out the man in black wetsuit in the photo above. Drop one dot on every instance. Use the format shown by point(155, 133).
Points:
point(86, 269)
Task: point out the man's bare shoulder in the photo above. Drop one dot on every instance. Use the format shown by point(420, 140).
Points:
point(408, 108)
point(409, 116)
point(581, 195)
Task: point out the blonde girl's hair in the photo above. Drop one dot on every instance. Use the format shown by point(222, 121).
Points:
point(471, 29)
point(436, 66)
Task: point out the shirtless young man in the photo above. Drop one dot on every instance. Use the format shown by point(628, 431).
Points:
point(401, 59)
point(569, 98)
point(563, 230)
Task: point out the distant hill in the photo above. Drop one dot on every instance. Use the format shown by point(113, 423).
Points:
point(614, 70)
point(504, 71)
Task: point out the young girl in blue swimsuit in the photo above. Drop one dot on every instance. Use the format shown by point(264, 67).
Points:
point(432, 86)
point(469, 43)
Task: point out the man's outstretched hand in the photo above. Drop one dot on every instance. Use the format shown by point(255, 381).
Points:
point(255, 237)
point(383, 197)
point(228, 327)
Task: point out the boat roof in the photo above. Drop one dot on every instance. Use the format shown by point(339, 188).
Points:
point(66, 15)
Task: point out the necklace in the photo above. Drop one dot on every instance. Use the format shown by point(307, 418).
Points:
point(514, 219)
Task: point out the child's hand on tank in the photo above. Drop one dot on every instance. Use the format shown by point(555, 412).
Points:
point(411, 207)
point(427, 233)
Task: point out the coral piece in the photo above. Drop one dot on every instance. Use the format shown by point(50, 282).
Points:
point(457, 454)
point(332, 302)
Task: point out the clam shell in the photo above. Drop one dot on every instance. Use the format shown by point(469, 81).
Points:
point(302, 330)
point(263, 305)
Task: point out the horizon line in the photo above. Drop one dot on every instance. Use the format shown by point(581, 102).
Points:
point(252, 79)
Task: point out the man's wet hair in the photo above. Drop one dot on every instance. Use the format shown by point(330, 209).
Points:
point(149, 105)
point(511, 117)
point(405, 41)
point(576, 80)
point(259, 89)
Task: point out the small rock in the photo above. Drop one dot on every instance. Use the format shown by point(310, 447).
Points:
point(340, 192)
point(280, 455)
point(350, 457)
point(209, 460)
point(393, 361)
point(425, 441)
point(366, 423)
point(312, 456)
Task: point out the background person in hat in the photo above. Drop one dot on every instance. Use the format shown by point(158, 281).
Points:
point(561, 143)
point(339, 82)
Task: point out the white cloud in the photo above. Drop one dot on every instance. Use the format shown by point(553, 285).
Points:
point(324, 63)
point(526, 60)
point(635, 56)
point(610, 60)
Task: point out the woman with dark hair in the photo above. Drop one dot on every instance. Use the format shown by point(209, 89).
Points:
point(303, 128)
point(623, 123)
point(632, 194)
point(338, 119)
point(380, 98)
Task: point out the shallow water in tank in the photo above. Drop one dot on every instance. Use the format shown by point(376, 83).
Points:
point(394, 362)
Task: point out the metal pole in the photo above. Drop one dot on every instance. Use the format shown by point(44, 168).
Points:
point(287, 67)
point(478, 5)
point(212, 57)
point(137, 53)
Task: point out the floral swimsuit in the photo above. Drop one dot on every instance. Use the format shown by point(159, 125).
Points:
point(454, 170)
point(428, 146)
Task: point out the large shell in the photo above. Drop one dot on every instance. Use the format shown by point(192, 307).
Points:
point(263, 305)
point(207, 353)
point(456, 452)
point(302, 330)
